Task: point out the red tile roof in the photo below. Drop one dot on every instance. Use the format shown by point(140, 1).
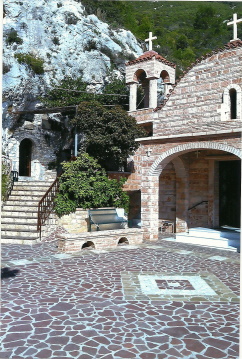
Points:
point(148, 55)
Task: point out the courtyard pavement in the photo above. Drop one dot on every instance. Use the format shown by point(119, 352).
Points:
point(160, 300)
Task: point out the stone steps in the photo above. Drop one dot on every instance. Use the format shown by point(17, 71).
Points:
point(6, 213)
point(11, 219)
point(223, 239)
point(20, 212)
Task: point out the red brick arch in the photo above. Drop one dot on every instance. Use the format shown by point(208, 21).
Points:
point(169, 155)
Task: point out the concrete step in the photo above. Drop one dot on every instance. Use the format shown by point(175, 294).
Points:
point(19, 220)
point(27, 197)
point(23, 192)
point(19, 208)
point(20, 240)
point(18, 212)
point(22, 233)
point(204, 232)
point(18, 226)
point(24, 202)
point(210, 237)
point(33, 183)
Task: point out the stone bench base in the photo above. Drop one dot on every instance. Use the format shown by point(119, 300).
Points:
point(70, 242)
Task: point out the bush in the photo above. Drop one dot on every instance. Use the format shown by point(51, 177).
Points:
point(84, 184)
point(90, 45)
point(14, 38)
point(71, 19)
point(109, 134)
point(36, 64)
point(56, 41)
point(5, 181)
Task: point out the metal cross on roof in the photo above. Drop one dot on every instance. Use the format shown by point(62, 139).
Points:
point(234, 23)
point(150, 38)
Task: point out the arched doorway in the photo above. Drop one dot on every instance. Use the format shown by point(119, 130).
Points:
point(195, 192)
point(25, 152)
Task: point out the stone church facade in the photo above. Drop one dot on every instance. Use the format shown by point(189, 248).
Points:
point(187, 170)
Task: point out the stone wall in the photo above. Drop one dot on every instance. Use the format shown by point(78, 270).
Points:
point(198, 97)
point(99, 240)
point(43, 150)
point(76, 222)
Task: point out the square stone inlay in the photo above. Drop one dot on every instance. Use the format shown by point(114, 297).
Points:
point(171, 284)
point(174, 284)
point(203, 286)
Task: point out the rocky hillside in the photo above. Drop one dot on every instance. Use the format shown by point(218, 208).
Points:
point(46, 40)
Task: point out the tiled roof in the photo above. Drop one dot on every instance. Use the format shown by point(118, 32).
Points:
point(148, 55)
point(228, 46)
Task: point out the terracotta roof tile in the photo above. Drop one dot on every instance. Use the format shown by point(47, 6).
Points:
point(148, 55)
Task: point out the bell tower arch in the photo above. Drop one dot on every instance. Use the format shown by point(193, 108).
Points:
point(148, 71)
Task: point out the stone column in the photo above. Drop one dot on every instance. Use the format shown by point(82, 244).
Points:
point(168, 86)
point(150, 207)
point(182, 194)
point(153, 93)
point(213, 194)
point(132, 96)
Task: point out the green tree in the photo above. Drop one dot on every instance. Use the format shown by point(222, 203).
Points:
point(109, 134)
point(84, 184)
point(69, 92)
point(115, 93)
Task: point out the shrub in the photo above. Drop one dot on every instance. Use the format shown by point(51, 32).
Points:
point(84, 184)
point(56, 41)
point(35, 63)
point(109, 134)
point(5, 181)
point(14, 38)
point(90, 45)
point(71, 19)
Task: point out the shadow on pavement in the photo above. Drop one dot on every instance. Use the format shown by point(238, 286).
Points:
point(7, 272)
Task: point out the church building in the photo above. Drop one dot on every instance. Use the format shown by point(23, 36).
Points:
point(187, 170)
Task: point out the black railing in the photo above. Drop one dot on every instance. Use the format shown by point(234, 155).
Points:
point(46, 204)
point(198, 204)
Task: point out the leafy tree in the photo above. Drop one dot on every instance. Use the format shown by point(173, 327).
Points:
point(84, 184)
point(64, 94)
point(109, 134)
point(74, 91)
point(117, 87)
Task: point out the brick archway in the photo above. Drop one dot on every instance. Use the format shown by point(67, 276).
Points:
point(169, 155)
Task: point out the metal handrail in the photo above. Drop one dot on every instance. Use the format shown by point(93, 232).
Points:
point(195, 205)
point(46, 204)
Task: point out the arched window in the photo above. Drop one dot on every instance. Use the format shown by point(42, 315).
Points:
point(233, 103)
point(143, 90)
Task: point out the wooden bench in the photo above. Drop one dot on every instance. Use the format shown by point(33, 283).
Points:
point(106, 218)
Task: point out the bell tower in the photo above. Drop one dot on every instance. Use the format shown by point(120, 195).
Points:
point(149, 70)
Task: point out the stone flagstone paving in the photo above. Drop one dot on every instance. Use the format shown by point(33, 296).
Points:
point(94, 304)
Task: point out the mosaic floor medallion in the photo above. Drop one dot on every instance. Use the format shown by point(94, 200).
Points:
point(184, 286)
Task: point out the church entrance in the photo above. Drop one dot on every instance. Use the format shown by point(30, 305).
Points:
point(229, 193)
point(25, 151)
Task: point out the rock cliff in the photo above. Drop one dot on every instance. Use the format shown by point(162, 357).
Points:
point(64, 41)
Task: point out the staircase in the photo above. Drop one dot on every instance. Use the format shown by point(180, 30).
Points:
point(223, 238)
point(20, 212)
